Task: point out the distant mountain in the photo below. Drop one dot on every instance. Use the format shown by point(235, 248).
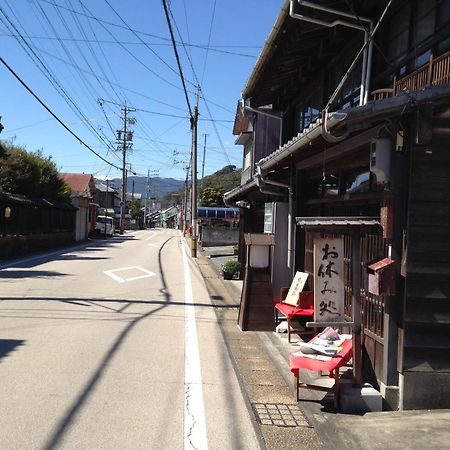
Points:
point(158, 187)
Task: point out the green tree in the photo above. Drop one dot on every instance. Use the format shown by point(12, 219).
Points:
point(31, 174)
point(223, 180)
point(211, 197)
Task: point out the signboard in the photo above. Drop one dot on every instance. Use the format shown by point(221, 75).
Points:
point(268, 218)
point(297, 285)
point(329, 280)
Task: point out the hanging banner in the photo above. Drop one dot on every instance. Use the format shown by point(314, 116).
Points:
point(329, 280)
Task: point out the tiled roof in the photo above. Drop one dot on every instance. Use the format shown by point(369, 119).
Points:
point(337, 221)
point(302, 139)
point(78, 182)
point(103, 188)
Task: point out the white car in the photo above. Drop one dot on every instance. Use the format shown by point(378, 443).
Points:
point(105, 225)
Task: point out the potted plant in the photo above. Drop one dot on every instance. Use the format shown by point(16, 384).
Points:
point(230, 268)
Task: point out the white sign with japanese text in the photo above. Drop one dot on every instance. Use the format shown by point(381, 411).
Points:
point(297, 285)
point(329, 280)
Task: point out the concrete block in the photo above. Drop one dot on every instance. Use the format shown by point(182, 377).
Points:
point(359, 399)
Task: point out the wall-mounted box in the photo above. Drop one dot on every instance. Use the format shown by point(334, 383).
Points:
point(381, 277)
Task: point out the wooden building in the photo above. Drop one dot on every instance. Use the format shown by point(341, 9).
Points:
point(361, 93)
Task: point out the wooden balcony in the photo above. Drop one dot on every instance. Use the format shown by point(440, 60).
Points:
point(436, 72)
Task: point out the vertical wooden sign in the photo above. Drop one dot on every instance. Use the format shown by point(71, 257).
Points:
point(329, 279)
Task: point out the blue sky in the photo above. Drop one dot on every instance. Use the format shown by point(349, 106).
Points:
point(120, 51)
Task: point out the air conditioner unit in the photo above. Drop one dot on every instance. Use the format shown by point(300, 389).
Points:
point(380, 159)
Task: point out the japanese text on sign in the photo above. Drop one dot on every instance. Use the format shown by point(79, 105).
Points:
point(329, 280)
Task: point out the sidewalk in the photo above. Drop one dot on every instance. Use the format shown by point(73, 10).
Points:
point(262, 362)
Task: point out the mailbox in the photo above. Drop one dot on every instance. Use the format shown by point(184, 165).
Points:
point(382, 277)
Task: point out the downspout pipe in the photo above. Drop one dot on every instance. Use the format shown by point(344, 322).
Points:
point(367, 57)
point(367, 63)
point(323, 22)
point(261, 182)
point(290, 249)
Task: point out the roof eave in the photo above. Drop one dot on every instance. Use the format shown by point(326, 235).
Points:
point(265, 52)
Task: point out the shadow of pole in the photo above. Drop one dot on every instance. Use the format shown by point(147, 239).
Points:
point(55, 439)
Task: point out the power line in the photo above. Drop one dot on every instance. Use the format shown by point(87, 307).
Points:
point(209, 39)
point(203, 97)
point(49, 75)
point(174, 45)
point(143, 33)
point(131, 53)
point(211, 48)
point(140, 39)
point(54, 115)
point(116, 84)
point(93, 54)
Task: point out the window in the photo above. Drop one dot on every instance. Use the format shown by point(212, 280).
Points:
point(442, 19)
point(426, 16)
point(304, 116)
point(399, 34)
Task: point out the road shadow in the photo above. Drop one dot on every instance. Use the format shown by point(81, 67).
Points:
point(9, 345)
point(32, 259)
point(55, 439)
point(81, 258)
point(15, 274)
point(127, 302)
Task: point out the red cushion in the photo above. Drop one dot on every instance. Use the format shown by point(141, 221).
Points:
point(292, 311)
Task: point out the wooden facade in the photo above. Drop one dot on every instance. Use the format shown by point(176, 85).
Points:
point(386, 158)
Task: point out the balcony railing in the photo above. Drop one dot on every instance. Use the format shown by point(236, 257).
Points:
point(436, 72)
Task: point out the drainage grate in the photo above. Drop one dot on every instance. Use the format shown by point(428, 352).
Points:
point(280, 415)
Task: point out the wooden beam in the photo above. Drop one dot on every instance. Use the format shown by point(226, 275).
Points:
point(356, 306)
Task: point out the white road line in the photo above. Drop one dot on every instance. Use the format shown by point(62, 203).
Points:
point(151, 237)
point(194, 411)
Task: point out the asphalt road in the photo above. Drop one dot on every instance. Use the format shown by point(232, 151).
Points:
point(115, 345)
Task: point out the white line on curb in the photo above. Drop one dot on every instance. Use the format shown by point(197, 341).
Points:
point(194, 410)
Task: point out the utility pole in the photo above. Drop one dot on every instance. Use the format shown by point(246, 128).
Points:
point(106, 205)
point(185, 200)
point(203, 162)
point(194, 177)
point(132, 196)
point(147, 207)
point(146, 198)
point(186, 168)
point(124, 173)
point(124, 140)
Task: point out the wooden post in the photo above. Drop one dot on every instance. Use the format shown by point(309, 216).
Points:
point(356, 306)
point(430, 71)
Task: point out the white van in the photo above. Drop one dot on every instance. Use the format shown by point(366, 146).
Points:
point(105, 225)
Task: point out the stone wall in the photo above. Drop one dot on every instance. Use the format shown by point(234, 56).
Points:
point(211, 236)
point(18, 245)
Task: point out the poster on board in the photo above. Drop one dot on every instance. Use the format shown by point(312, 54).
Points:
point(297, 285)
point(329, 279)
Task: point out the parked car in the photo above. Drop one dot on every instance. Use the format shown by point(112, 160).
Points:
point(104, 225)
